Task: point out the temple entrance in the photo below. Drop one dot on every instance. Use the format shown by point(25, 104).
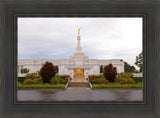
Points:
point(79, 73)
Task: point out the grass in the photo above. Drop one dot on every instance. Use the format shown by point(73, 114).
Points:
point(109, 85)
point(20, 85)
point(117, 85)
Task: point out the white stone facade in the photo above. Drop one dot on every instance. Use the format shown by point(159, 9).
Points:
point(67, 66)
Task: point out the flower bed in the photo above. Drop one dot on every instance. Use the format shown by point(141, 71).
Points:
point(98, 81)
point(123, 80)
point(95, 76)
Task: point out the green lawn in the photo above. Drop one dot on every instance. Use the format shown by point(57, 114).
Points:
point(20, 85)
point(117, 85)
point(109, 85)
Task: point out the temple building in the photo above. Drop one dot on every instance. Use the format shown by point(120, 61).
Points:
point(77, 66)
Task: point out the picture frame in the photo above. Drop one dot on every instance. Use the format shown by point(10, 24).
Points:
point(149, 10)
point(76, 16)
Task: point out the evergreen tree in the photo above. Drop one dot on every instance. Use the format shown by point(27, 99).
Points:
point(24, 70)
point(101, 69)
point(56, 69)
point(139, 61)
point(129, 68)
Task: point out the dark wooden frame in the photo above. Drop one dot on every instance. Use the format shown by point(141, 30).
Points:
point(146, 9)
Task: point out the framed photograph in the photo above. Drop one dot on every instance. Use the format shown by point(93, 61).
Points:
point(80, 59)
point(107, 76)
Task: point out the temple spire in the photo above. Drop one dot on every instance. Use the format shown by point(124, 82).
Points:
point(78, 42)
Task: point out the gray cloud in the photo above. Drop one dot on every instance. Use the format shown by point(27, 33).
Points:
point(101, 38)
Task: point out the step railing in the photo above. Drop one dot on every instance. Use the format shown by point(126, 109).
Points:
point(90, 84)
point(66, 86)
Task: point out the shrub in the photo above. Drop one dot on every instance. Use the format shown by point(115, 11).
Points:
point(55, 80)
point(62, 76)
point(137, 79)
point(99, 81)
point(34, 81)
point(28, 81)
point(63, 81)
point(68, 78)
point(102, 81)
point(32, 76)
point(91, 78)
point(110, 72)
point(130, 81)
point(94, 81)
point(122, 80)
point(21, 79)
point(47, 71)
point(125, 74)
point(96, 76)
point(38, 81)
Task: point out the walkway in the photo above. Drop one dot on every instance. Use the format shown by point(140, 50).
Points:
point(80, 93)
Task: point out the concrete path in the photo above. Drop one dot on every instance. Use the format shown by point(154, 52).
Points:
point(80, 94)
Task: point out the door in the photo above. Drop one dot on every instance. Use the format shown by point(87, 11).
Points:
point(78, 72)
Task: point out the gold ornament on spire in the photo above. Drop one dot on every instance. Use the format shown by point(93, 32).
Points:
point(78, 31)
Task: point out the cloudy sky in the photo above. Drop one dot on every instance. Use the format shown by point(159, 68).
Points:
point(101, 38)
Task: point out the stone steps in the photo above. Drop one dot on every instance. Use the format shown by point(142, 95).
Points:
point(78, 84)
point(78, 78)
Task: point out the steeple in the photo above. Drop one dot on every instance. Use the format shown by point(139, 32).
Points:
point(78, 42)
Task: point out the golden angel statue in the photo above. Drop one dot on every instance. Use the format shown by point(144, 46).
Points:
point(78, 31)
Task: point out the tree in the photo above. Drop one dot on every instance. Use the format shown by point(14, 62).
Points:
point(110, 72)
point(57, 69)
point(129, 68)
point(38, 72)
point(47, 71)
point(139, 61)
point(101, 69)
point(24, 70)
